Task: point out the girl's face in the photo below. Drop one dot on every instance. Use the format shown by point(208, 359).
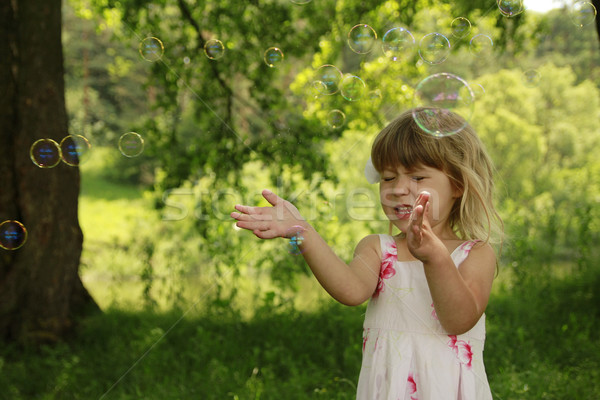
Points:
point(399, 189)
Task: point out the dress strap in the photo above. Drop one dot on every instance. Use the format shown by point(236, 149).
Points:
point(462, 252)
point(388, 245)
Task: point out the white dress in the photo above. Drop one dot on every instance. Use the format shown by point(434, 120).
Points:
point(407, 355)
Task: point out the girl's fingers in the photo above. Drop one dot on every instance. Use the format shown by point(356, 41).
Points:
point(271, 197)
point(244, 209)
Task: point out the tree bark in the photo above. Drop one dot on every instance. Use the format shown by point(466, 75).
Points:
point(41, 293)
point(596, 4)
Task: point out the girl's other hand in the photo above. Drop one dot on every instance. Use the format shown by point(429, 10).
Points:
point(420, 237)
point(281, 220)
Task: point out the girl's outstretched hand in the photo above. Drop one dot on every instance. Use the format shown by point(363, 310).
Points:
point(421, 240)
point(270, 222)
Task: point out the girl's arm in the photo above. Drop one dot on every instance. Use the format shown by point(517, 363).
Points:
point(350, 284)
point(460, 295)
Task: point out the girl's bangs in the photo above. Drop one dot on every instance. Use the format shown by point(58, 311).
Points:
point(407, 148)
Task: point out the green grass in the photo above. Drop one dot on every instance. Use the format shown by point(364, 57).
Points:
point(542, 343)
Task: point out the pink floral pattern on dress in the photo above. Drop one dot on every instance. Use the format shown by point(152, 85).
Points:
point(433, 313)
point(390, 255)
point(412, 387)
point(462, 350)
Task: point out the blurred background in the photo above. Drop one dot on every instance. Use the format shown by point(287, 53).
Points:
point(179, 109)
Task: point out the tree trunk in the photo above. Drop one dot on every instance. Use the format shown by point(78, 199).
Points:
point(40, 290)
point(596, 4)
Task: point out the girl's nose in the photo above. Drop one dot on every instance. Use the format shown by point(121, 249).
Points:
point(403, 186)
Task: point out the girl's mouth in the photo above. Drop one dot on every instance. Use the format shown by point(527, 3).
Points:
point(403, 211)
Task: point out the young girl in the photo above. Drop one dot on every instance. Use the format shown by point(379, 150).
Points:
point(427, 286)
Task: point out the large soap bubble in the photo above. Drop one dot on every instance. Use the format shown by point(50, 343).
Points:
point(439, 95)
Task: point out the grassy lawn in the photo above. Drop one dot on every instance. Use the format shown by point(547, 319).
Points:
point(548, 351)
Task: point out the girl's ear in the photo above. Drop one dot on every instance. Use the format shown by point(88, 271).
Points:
point(457, 191)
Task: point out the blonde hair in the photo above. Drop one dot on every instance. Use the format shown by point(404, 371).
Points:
point(461, 156)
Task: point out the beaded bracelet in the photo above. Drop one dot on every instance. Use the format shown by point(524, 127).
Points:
point(296, 240)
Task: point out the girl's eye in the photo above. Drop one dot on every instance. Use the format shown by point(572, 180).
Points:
point(417, 178)
point(388, 178)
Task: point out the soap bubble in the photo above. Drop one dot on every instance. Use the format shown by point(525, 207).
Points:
point(74, 149)
point(352, 88)
point(582, 13)
point(316, 89)
point(214, 49)
point(438, 95)
point(336, 118)
point(361, 38)
point(397, 42)
point(131, 144)
point(273, 57)
point(510, 8)
point(478, 90)
point(461, 27)
point(151, 49)
point(531, 78)
point(330, 76)
point(375, 95)
point(434, 48)
point(481, 45)
point(300, 1)
point(45, 153)
point(12, 235)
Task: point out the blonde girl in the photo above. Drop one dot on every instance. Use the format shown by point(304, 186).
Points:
point(427, 286)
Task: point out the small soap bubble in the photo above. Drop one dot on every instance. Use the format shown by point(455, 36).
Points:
point(273, 57)
point(296, 237)
point(352, 88)
point(582, 13)
point(531, 78)
point(12, 235)
point(300, 1)
point(397, 42)
point(74, 149)
point(330, 76)
point(131, 144)
point(45, 153)
point(361, 38)
point(214, 49)
point(510, 8)
point(461, 27)
point(481, 46)
point(375, 95)
point(436, 97)
point(478, 90)
point(317, 88)
point(151, 49)
point(336, 119)
point(186, 60)
point(434, 48)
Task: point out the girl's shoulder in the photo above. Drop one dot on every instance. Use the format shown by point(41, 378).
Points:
point(376, 242)
point(474, 249)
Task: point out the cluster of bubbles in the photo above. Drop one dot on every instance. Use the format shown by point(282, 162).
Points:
point(434, 48)
point(581, 13)
point(152, 49)
point(47, 153)
point(74, 149)
point(13, 235)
